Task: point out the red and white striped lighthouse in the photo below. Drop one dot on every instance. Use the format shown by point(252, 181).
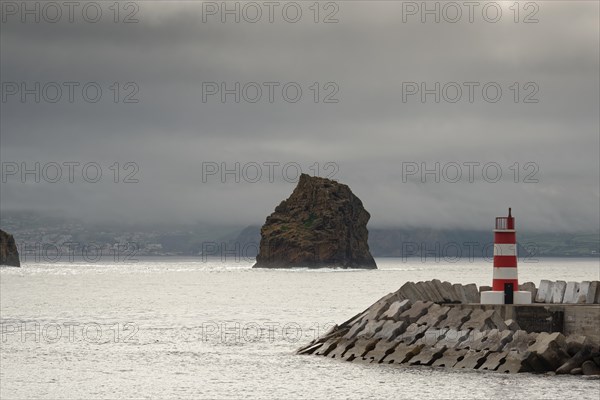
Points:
point(505, 254)
point(505, 283)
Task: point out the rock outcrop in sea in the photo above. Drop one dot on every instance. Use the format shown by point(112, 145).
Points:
point(322, 224)
point(9, 255)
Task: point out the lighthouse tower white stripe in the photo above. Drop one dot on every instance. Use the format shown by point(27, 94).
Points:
point(505, 249)
point(505, 273)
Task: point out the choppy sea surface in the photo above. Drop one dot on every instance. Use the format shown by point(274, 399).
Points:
point(192, 328)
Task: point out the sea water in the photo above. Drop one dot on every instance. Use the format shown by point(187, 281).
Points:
point(193, 328)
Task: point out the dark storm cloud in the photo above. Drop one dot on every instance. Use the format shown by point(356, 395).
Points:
point(369, 133)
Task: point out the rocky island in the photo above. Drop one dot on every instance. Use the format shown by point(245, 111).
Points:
point(9, 255)
point(321, 225)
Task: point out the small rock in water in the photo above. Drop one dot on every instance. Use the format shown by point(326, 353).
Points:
point(9, 255)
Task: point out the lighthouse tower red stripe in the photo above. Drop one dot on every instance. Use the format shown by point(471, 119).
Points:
point(505, 254)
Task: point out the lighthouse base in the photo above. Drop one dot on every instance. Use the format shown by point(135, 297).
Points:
point(497, 297)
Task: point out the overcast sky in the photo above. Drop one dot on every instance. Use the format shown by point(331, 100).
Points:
point(376, 138)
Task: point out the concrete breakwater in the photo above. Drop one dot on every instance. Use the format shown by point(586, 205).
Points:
point(453, 331)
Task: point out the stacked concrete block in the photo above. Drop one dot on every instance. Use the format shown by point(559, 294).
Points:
point(557, 292)
point(409, 291)
point(571, 295)
point(529, 287)
point(472, 293)
point(544, 292)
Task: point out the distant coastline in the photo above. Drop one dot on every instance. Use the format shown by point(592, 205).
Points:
point(193, 240)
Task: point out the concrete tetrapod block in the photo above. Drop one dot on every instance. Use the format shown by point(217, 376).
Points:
point(413, 333)
point(551, 348)
point(455, 318)
point(521, 340)
point(575, 362)
point(360, 348)
point(590, 368)
point(380, 351)
point(474, 336)
point(434, 315)
point(341, 348)
point(459, 290)
point(448, 293)
point(390, 330)
point(512, 325)
point(432, 336)
point(484, 320)
point(493, 361)
point(395, 309)
point(334, 332)
point(370, 329)
point(571, 293)
point(450, 358)
point(416, 311)
point(558, 292)
point(410, 291)
point(575, 343)
point(544, 292)
point(381, 306)
point(309, 349)
point(472, 293)
point(473, 359)
point(402, 353)
point(515, 362)
point(493, 340)
point(496, 320)
point(355, 329)
point(328, 346)
point(576, 371)
point(354, 320)
point(453, 338)
point(427, 355)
